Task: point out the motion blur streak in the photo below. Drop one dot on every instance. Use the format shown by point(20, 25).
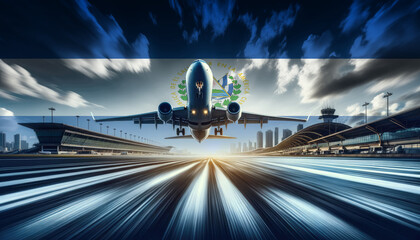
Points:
point(376, 182)
point(188, 220)
point(302, 214)
point(243, 220)
point(209, 198)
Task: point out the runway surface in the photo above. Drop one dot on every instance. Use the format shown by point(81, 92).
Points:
point(209, 198)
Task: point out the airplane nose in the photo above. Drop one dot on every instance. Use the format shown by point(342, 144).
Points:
point(197, 70)
point(199, 61)
point(198, 64)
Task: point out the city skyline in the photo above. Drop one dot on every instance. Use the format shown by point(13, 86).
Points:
point(6, 146)
point(269, 137)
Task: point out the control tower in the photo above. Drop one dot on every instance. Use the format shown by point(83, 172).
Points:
point(328, 114)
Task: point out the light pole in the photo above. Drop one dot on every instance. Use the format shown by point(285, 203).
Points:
point(88, 120)
point(107, 128)
point(125, 135)
point(387, 95)
point(100, 127)
point(120, 133)
point(43, 119)
point(52, 113)
point(114, 131)
point(365, 105)
point(77, 120)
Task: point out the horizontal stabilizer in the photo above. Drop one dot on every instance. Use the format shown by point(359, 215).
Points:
point(209, 137)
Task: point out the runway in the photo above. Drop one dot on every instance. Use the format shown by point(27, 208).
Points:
point(209, 198)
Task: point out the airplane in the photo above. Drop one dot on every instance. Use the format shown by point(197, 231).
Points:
point(199, 114)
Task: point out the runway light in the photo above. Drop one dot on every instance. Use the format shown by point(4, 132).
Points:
point(193, 112)
point(205, 111)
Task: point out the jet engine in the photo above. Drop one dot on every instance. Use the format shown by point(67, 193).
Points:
point(165, 111)
point(233, 112)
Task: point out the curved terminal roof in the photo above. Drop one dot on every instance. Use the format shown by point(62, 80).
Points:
point(306, 135)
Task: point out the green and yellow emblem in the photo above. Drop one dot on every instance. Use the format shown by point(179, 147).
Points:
point(231, 87)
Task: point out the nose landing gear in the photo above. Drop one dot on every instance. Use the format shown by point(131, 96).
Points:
point(180, 130)
point(218, 130)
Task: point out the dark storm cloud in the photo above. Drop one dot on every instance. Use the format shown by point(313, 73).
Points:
point(209, 29)
point(274, 26)
point(71, 29)
point(176, 6)
point(392, 31)
point(317, 46)
point(190, 38)
point(215, 14)
point(358, 13)
point(329, 82)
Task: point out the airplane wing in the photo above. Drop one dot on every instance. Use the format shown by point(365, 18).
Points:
point(219, 118)
point(179, 114)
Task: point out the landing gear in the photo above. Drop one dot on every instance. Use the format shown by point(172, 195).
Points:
point(218, 130)
point(178, 131)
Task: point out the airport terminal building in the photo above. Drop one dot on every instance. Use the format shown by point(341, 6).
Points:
point(398, 133)
point(60, 138)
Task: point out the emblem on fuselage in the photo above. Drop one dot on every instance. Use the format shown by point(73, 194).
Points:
point(232, 86)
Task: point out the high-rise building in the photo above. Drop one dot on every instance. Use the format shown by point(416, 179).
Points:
point(16, 144)
point(299, 127)
point(286, 133)
point(276, 136)
point(268, 138)
point(259, 139)
point(2, 141)
point(250, 147)
point(245, 147)
point(24, 144)
point(239, 147)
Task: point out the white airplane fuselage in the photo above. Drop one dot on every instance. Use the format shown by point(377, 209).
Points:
point(199, 91)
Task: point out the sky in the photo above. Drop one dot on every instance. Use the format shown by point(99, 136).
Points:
point(117, 58)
